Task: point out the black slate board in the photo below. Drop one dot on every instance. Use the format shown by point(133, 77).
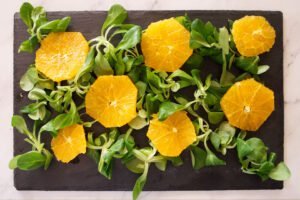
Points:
point(82, 174)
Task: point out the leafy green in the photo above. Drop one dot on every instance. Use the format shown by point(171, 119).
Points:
point(198, 157)
point(29, 79)
point(168, 108)
point(19, 123)
point(254, 158)
point(140, 182)
point(38, 157)
point(38, 25)
point(116, 51)
point(215, 117)
point(185, 21)
point(102, 66)
point(131, 38)
point(213, 160)
point(223, 138)
point(248, 64)
point(30, 160)
point(280, 173)
point(25, 14)
point(116, 15)
point(62, 121)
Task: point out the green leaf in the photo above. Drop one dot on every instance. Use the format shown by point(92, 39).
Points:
point(167, 108)
point(243, 149)
point(140, 182)
point(136, 72)
point(133, 63)
point(138, 123)
point(102, 66)
point(120, 66)
point(135, 165)
point(116, 15)
point(105, 161)
point(211, 99)
point(35, 111)
point(131, 38)
point(264, 169)
point(161, 165)
point(195, 60)
point(93, 154)
point(280, 173)
point(224, 40)
point(19, 123)
point(49, 157)
point(152, 104)
point(45, 84)
point(25, 14)
point(115, 148)
point(28, 45)
point(198, 35)
point(38, 16)
point(259, 153)
point(198, 157)
point(248, 64)
point(262, 69)
point(13, 162)
point(215, 140)
point(88, 65)
point(58, 25)
point(185, 21)
point(213, 160)
point(215, 117)
point(62, 121)
point(176, 161)
point(197, 40)
point(31, 160)
point(38, 94)
point(227, 79)
point(29, 79)
point(141, 86)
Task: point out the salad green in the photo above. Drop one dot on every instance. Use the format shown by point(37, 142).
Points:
point(116, 52)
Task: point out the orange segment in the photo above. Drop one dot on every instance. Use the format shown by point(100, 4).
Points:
point(248, 104)
point(69, 143)
point(253, 35)
point(111, 100)
point(172, 136)
point(165, 45)
point(61, 55)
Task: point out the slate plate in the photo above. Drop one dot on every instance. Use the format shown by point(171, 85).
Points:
point(83, 175)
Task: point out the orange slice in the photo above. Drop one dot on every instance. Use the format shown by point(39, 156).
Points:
point(247, 104)
point(165, 45)
point(171, 136)
point(69, 143)
point(253, 35)
point(61, 55)
point(111, 100)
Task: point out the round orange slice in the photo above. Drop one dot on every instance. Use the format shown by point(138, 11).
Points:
point(69, 143)
point(171, 136)
point(248, 104)
point(61, 55)
point(165, 45)
point(111, 100)
point(253, 35)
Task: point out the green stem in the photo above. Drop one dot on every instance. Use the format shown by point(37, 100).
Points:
point(224, 66)
point(90, 146)
point(156, 159)
point(128, 133)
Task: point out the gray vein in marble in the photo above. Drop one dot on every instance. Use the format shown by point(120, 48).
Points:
point(293, 56)
point(295, 101)
point(153, 5)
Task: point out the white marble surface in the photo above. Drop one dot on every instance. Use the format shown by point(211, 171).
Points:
point(290, 9)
